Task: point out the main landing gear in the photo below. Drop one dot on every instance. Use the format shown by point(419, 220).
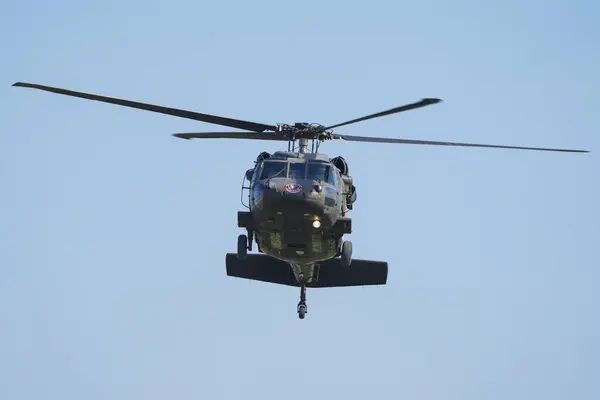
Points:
point(346, 253)
point(302, 304)
point(244, 244)
point(242, 248)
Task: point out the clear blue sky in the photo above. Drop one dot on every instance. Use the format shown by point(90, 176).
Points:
point(114, 233)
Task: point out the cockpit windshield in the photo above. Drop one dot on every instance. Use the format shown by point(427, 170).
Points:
point(318, 171)
point(326, 173)
point(297, 170)
point(272, 169)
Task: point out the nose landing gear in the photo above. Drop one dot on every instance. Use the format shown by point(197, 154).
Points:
point(302, 304)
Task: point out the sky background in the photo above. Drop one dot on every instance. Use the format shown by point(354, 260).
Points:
point(114, 233)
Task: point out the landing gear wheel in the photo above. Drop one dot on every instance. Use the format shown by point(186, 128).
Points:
point(242, 249)
point(346, 256)
point(302, 309)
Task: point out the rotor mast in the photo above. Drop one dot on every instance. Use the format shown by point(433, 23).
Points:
point(303, 145)
point(299, 135)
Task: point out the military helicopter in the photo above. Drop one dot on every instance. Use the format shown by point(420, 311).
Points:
point(298, 200)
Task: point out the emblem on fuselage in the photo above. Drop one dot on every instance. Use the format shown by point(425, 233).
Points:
point(293, 188)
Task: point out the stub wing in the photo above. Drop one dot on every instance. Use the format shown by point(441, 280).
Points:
point(331, 273)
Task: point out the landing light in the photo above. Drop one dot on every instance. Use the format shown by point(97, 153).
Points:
point(316, 224)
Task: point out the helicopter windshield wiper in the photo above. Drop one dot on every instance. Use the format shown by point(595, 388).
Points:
point(212, 119)
point(281, 172)
point(436, 143)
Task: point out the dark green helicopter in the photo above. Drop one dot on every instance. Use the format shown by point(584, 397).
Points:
point(298, 200)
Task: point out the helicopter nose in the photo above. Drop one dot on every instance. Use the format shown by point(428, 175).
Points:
point(285, 195)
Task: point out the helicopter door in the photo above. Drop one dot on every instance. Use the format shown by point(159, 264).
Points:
point(335, 179)
point(251, 176)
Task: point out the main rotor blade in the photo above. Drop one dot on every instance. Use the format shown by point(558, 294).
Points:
point(231, 135)
point(212, 119)
point(407, 107)
point(435, 143)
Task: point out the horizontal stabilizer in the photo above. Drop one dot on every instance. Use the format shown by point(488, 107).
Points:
point(330, 273)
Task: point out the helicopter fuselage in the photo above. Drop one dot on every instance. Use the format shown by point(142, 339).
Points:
point(296, 217)
point(298, 205)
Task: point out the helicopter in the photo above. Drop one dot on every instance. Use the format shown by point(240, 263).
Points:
point(298, 199)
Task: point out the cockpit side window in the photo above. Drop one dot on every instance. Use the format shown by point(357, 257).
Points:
point(273, 169)
point(297, 170)
point(338, 178)
point(330, 175)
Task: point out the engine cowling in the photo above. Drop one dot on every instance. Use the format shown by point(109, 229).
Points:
point(341, 164)
point(263, 156)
